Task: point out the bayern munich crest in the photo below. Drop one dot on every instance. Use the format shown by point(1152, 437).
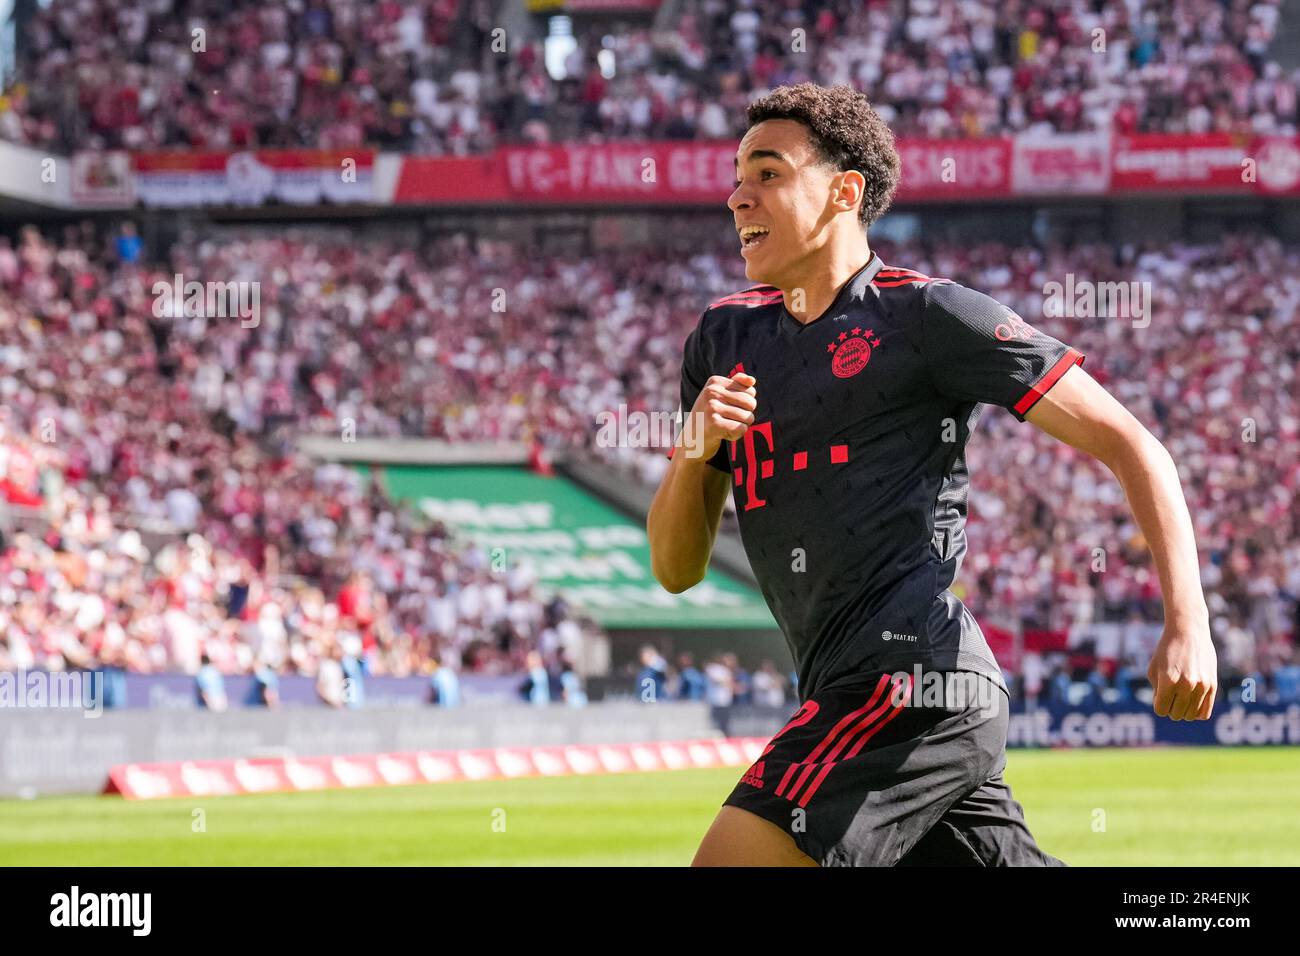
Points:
point(850, 351)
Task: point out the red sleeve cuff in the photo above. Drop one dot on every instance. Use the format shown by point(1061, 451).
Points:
point(1044, 384)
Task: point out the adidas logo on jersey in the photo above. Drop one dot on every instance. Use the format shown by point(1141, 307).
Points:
point(754, 776)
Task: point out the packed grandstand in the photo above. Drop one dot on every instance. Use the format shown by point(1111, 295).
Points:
point(117, 419)
point(439, 76)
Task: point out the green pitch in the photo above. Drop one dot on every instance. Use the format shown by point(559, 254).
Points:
point(1179, 807)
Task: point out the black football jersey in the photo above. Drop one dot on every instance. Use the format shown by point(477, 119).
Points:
point(851, 485)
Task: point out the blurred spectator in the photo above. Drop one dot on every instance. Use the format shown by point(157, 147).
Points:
point(265, 688)
point(210, 686)
point(354, 688)
point(742, 687)
point(330, 679)
point(444, 685)
point(1286, 680)
point(128, 244)
point(113, 676)
point(691, 682)
point(536, 688)
point(652, 679)
point(571, 690)
point(722, 686)
point(769, 686)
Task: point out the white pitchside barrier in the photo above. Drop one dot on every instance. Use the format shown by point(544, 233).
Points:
point(205, 778)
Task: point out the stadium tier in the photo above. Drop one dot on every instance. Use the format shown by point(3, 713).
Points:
point(442, 76)
point(277, 559)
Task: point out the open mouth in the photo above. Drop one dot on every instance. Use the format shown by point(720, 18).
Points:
point(751, 237)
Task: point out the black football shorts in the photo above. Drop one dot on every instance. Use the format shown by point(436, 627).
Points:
point(875, 771)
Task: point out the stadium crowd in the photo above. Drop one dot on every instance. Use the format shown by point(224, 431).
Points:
point(113, 409)
point(436, 76)
point(270, 559)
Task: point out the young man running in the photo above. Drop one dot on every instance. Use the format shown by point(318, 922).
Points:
point(835, 400)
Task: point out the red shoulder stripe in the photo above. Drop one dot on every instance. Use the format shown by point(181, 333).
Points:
point(895, 283)
point(897, 273)
point(747, 298)
point(1050, 378)
point(751, 295)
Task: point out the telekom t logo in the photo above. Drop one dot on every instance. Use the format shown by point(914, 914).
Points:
point(749, 473)
point(757, 465)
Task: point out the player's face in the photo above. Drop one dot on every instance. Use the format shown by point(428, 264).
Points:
point(781, 204)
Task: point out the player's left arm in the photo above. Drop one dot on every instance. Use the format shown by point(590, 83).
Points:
point(1079, 412)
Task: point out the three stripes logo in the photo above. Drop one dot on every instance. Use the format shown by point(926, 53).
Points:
point(845, 740)
point(806, 712)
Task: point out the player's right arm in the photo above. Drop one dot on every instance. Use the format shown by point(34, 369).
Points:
point(684, 516)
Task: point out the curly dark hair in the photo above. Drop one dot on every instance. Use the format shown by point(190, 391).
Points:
point(846, 132)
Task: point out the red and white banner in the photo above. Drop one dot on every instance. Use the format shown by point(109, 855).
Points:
point(1277, 164)
point(954, 168)
point(299, 177)
point(450, 180)
point(1168, 161)
point(687, 173)
point(103, 180)
point(673, 173)
point(621, 172)
point(1061, 164)
point(201, 778)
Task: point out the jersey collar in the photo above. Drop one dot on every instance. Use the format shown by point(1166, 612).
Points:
point(851, 294)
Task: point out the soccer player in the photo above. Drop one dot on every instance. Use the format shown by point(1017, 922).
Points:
point(835, 399)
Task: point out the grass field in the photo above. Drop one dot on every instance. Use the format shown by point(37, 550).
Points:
point(1177, 807)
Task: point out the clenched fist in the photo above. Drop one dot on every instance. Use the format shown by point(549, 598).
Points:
point(1184, 673)
point(723, 411)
